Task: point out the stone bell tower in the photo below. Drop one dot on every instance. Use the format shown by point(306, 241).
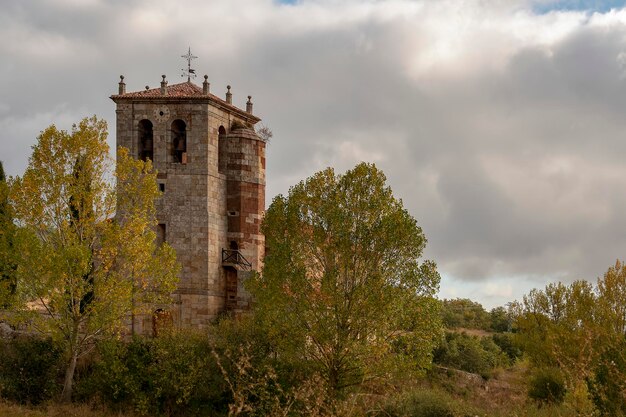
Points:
point(211, 171)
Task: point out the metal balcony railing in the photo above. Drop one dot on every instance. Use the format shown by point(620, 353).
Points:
point(234, 258)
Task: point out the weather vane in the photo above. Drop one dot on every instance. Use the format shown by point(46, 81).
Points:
point(189, 72)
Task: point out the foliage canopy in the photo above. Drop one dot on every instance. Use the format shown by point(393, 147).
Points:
point(7, 230)
point(84, 246)
point(580, 328)
point(342, 287)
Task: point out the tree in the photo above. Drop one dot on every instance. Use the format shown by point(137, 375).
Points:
point(7, 230)
point(608, 382)
point(555, 327)
point(581, 329)
point(342, 287)
point(85, 247)
point(463, 312)
point(500, 320)
point(264, 133)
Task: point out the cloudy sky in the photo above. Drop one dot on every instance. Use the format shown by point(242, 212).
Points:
point(500, 123)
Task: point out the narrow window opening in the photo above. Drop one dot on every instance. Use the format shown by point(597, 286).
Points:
point(145, 144)
point(221, 150)
point(162, 187)
point(161, 234)
point(179, 141)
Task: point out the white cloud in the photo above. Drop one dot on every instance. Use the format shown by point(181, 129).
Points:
point(501, 129)
point(19, 132)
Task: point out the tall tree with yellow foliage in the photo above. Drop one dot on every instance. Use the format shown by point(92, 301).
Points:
point(85, 243)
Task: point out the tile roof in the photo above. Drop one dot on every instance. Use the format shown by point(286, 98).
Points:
point(181, 90)
point(184, 90)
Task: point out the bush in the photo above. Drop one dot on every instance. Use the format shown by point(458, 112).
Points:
point(469, 354)
point(420, 404)
point(186, 373)
point(261, 382)
point(29, 369)
point(172, 374)
point(547, 385)
point(607, 385)
point(507, 345)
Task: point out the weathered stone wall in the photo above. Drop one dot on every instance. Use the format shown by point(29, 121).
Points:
point(245, 200)
point(197, 198)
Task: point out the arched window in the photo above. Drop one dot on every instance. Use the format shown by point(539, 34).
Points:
point(221, 150)
point(145, 143)
point(179, 141)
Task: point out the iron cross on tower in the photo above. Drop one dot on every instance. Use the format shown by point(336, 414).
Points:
point(189, 72)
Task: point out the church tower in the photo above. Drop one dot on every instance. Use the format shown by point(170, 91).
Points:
point(211, 171)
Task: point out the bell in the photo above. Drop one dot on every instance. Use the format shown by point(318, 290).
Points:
point(181, 145)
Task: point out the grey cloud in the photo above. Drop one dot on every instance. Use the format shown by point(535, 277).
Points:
point(473, 149)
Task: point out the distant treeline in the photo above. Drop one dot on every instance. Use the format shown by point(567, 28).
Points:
point(465, 313)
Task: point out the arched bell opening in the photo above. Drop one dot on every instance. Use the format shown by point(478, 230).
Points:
point(179, 141)
point(145, 140)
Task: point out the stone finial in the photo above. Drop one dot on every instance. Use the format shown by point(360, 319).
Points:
point(147, 87)
point(205, 85)
point(163, 86)
point(229, 96)
point(249, 105)
point(122, 86)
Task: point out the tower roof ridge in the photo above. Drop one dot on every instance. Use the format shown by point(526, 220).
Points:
point(185, 90)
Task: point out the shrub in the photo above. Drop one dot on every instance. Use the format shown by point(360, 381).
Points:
point(186, 373)
point(239, 125)
point(493, 354)
point(506, 343)
point(579, 401)
point(420, 403)
point(119, 374)
point(228, 336)
point(469, 353)
point(173, 374)
point(607, 385)
point(29, 369)
point(233, 371)
point(547, 385)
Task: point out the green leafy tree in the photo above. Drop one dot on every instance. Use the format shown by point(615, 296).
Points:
point(463, 312)
point(342, 288)
point(608, 377)
point(581, 330)
point(500, 320)
point(557, 326)
point(86, 253)
point(7, 231)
